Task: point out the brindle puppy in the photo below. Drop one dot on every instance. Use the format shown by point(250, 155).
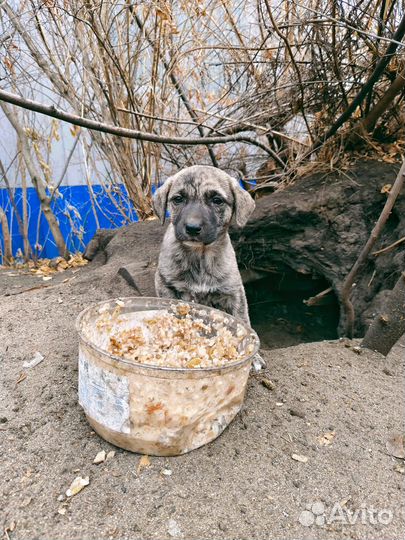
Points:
point(197, 261)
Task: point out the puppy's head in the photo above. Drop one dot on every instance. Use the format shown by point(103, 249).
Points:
point(202, 202)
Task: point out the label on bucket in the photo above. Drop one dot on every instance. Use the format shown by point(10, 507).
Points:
point(104, 396)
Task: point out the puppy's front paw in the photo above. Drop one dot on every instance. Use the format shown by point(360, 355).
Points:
point(258, 363)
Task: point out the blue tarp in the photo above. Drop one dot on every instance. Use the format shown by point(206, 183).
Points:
point(76, 214)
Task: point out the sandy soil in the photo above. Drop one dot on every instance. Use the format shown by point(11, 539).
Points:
point(243, 485)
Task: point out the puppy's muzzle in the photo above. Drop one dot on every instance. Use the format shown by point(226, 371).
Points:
point(193, 229)
point(197, 224)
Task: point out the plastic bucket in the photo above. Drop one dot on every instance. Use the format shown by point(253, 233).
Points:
point(162, 411)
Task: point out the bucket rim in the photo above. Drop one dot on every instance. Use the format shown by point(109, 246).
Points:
point(165, 302)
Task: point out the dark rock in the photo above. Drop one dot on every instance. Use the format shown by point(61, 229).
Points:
point(98, 243)
point(296, 412)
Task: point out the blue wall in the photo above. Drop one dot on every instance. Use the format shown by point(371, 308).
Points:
point(74, 212)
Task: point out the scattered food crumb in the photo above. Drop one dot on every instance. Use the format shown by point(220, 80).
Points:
point(327, 438)
point(100, 457)
point(144, 463)
point(300, 458)
point(77, 485)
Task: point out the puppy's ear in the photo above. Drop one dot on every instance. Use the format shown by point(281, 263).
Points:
point(243, 203)
point(160, 200)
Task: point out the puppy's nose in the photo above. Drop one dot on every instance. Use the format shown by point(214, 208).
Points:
point(193, 229)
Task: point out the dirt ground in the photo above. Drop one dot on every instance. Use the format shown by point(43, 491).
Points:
point(244, 485)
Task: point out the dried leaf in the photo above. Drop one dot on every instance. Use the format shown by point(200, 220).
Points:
point(327, 438)
point(47, 267)
point(100, 457)
point(77, 485)
point(8, 63)
point(144, 463)
point(357, 113)
point(396, 446)
point(74, 130)
point(110, 455)
point(36, 359)
point(162, 14)
point(386, 188)
point(300, 458)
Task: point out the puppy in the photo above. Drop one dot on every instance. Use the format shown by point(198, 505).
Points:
point(197, 261)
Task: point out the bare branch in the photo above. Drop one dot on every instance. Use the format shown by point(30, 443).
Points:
point(51, 110)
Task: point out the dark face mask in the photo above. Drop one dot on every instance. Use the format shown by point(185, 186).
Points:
point(196, 222)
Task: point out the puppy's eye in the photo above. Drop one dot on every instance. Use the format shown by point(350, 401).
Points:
point(218, 200)
point(177, 199)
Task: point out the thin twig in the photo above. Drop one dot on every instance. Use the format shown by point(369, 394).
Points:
point(177, 85)
point(388, 248)
point(313, 300)
point(294, 63)
point(66, 166)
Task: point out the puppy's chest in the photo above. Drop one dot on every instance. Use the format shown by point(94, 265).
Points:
point(200, 278)
point(199, 282)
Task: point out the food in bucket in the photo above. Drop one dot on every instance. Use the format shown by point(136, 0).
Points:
point(178, 339)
